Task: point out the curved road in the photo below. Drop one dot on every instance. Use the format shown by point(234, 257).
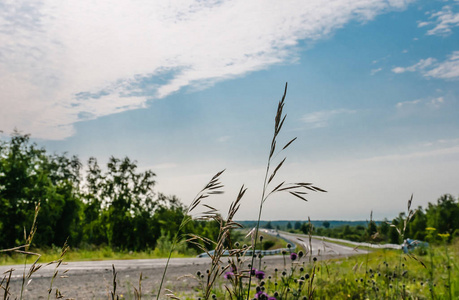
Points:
point(94, 279)
point(320, 247)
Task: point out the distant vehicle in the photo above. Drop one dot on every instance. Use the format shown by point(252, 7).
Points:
point(409, 245)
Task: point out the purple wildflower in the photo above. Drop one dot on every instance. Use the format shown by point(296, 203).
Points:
point(229, 275)
point(293, 256)
point(260, 274)
point(261, 295)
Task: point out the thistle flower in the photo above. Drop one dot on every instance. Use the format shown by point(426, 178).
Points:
point(260, 274)
point(293, 256)
point(228, 275)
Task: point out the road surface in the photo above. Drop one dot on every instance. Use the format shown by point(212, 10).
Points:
point(93, 279)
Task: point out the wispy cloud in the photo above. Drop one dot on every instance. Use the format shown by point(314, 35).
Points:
point(421, 65)
point(443, 21)
point(407, 103)
point(374, 71)
point(69, 61)
point(435, 102)
point(448, 69)
point(321, 119)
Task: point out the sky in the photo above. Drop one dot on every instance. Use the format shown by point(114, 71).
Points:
point(188, 88)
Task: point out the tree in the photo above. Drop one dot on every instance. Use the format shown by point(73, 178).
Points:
point(417, 225)
point(289, 225)
point(269, 225)
point(326, 224)
point(297, 225)
point(123, 198)
point(306, 228)
point(29, 175)
point(444, 216)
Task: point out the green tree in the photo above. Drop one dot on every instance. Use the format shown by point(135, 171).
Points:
point(297, 225)
point(326, 224)
point(125, 200)
point(306, 227)
point(445, 215)
point(269, 225)
point(29, 175)
point(417, 225)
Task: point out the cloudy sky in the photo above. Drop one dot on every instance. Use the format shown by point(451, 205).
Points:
point(188, 88)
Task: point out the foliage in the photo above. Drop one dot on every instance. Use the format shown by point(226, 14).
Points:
point(116, 206)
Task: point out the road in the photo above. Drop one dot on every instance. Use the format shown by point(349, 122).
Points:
point(318, 246)
point(93, 279)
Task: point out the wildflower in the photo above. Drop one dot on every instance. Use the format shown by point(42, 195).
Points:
point(261, 295)
point(293, 256)
point(260, 274)
point(228, 275)
point(289, 245)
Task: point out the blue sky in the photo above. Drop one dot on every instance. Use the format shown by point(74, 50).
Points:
point(189, 88)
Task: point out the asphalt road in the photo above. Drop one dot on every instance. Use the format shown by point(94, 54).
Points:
point(319, 248)
point(94, 279)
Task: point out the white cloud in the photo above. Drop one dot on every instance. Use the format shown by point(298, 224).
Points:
point(374, 71)
point(321, 119)
point(421, 65)
point(67, 61)
point(448, 69)
point(405, 103)
point(443, 20)
point(436, 102)
point(431, 102)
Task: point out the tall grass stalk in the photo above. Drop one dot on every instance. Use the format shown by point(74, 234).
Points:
point(295, 189)
point(213, 187)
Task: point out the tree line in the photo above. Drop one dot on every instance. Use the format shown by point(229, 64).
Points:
point(435, 223)
point(115, 206)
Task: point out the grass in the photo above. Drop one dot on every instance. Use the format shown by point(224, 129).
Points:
point(345, 278)
point(102, 253)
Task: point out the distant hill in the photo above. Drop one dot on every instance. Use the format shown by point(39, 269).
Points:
point(316, 223)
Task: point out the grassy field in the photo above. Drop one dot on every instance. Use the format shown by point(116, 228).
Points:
point(382, 274)
point(102, 253)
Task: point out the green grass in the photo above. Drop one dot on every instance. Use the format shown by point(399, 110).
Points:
point(102, 253)
point(383, 274)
